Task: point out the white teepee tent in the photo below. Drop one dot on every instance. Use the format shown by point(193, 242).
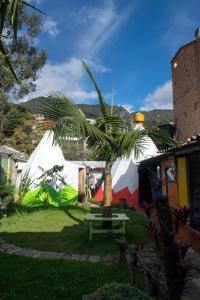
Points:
point(45, 157)
point(125, 178)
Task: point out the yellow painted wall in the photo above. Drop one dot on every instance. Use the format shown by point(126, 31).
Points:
point(182, 181)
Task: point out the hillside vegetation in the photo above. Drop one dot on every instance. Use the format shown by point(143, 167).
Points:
point(157, 116)
point(152, 117)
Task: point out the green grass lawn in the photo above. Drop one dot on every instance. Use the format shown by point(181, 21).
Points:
point(65, 230)
point(23, 278)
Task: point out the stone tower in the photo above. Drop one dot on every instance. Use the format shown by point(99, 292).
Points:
point(185, 67)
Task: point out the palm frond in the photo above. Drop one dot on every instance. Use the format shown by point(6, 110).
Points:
point(137, 141)
point(108, 122)
point(105, 151)
point(68, 120)
point(134, 141)
point(111, 124)
point(162, 137)
point(103, 105)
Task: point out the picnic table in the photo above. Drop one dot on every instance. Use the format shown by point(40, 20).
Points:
point(94, 218)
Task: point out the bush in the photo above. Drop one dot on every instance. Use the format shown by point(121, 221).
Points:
point(7, 196)
point(120, 291)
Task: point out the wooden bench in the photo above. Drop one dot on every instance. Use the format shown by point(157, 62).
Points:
point(94, 218)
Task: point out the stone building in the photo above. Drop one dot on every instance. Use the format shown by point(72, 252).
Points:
point(185, 67)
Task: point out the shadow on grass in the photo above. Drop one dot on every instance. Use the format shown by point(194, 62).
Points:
point(23, 278)
point(72, 217)
point(66, 231)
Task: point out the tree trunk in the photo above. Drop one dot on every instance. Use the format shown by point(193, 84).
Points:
point(107, 211)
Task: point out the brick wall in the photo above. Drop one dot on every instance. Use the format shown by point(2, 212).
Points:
point(186, 90)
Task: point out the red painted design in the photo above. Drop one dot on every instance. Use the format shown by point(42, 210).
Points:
point(99, 194)
point(132, 199)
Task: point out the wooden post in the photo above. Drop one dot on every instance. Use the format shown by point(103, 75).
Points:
point(167, 236)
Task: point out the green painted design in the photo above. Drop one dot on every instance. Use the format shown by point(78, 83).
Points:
point(48, 195)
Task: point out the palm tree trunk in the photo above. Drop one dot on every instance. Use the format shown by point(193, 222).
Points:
point(107, 211)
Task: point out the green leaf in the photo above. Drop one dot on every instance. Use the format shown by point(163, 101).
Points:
point(14, 16)
point(162, 137)
point(11, 7)
point(133, 141)
point(69, 121)
point(103, 105)
point(7, 60)
point(3, 12)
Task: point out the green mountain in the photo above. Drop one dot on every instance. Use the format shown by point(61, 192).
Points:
point(157, 116)
point(32, 105)
point(152, 118)
point(90, 111)
point(93, 111)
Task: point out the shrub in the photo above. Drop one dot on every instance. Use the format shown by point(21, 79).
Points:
point(7, 195)
point(24, 187)
point(120, 291)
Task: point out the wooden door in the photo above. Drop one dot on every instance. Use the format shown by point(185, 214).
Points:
point(182, 181)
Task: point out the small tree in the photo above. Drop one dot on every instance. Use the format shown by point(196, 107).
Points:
point(110, 137)
point(50, 177)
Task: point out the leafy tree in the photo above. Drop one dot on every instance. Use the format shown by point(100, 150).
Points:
point(9, 12)
point(17, 127)
point(110, 137)
point(21, 54)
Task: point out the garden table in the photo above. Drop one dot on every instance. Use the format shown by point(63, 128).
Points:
point(94, 218)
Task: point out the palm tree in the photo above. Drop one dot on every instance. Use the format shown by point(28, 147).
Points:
point(110, 137)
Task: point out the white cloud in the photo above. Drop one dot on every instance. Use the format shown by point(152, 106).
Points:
point(51, 27)
point(101, 23)
point(64, 77)
point(97, 66)
point(38, 1)
point(160, 98)
point(128, 107)
point(96, 25)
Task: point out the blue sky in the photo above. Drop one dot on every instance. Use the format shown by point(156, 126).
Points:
point(128, 45)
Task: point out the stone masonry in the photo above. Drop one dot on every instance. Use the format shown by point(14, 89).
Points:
point(186, 89)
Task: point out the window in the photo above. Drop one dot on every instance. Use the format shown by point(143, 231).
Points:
point(175, 65)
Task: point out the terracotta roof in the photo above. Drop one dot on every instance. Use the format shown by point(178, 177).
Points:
point(192, 141)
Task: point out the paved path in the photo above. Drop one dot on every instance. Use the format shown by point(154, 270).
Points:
point(107, 259)
point(148, 255)
point(12, 249)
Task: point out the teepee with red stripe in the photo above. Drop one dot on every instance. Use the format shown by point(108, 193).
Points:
point(125, 177)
